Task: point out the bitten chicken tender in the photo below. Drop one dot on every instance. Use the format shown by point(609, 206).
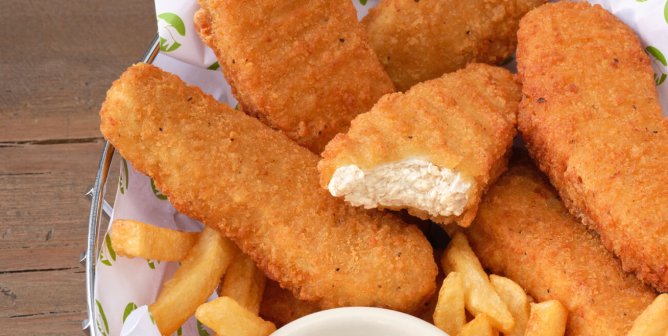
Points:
point(303, 67)
point(421, 40)
point(260, 189)
point(432, 150)
point(591, 118)
point(525, 233)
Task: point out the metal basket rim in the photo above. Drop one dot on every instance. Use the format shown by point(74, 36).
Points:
point(94, 219)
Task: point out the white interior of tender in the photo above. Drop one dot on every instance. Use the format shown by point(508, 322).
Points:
point(414, 183)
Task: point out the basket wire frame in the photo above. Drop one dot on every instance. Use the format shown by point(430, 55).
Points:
point(98, 206)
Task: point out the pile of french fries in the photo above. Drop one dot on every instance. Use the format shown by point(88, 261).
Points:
point(470, 302)
point(495, 304)
point(205, 258)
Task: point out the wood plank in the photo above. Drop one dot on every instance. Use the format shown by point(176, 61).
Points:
point(26, 294)
point(52, 324)
point(57, 61)
point(44, 210)
point(59, 58)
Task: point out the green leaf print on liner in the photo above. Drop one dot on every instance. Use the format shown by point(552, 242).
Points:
point(214, 66)
point(151, 263)
point(129, 309)
point(665, 12)
point(179, 332)
point(169, 43)
point(363, 2)
point(112, 253)
point(175, 21)
point(157, 192)
point(165, 46)
point(657, 54)
point(104, 331)
point(200, 329)
point(110, 249)
point(124, 177)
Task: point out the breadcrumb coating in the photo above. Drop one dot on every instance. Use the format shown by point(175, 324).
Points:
point(421, 40)
point(303, 67)
point(260, 189)
point(524, 232)
point(464, 121)
point(591, 118)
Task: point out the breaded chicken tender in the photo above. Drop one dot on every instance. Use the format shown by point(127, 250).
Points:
point(591, 118)
point(524, 232)
point(281, 307)
point(260, 189)
point(303, 67)
point(421, 40)
point(432, 150)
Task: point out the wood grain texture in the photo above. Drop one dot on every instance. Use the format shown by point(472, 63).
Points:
point(57, 60)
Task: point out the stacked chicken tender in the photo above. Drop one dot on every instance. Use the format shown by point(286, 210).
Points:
point(312, 80)
point(421, 40)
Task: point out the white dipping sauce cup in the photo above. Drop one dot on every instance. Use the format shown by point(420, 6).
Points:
point(359, 321)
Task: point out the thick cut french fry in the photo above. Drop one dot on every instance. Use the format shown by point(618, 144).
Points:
point(654, 319)
point(480, 297)
point(227, 318)
point(516, 300)
point(547, 318)
point(193, 282)
point(244, 283)
point(481, 325)
point(450, 313)
point(136, 239)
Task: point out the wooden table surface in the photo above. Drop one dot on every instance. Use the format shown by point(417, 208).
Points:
point(57, 59)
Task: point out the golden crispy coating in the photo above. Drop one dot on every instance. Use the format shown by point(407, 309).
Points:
point(524, 232)
point(420, 40)
point(261, 190)
point(464, 121)
point(303, 67)
point(281, 307)
point(592, 120)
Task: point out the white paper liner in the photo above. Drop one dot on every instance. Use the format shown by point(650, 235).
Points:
point(123, 286)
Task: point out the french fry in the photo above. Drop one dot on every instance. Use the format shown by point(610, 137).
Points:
point(227, 318)
point(244, 283)
point(481, 325)
point(516, 299)
point(193, 282)
point(479, 296)
point(547, 318)
point(450, 315)
point(653, 320)
point(136, 239)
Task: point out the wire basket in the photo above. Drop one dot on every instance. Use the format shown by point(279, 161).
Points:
point(97, 208)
